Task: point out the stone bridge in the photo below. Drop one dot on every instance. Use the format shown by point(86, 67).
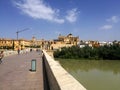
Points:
point(15, 73)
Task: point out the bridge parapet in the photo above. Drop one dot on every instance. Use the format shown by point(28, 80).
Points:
point(11, 52)
point(58, 77)
point(8, 53)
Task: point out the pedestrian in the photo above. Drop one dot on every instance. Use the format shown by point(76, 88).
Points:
point(31, 50)
point(18, 51)
point(1, 56)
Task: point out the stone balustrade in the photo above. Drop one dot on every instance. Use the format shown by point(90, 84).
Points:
point(11, 52)
point(8, 53)
point(58, 77)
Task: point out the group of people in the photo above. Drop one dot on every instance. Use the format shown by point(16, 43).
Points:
point(1, 56)
point(23, 51)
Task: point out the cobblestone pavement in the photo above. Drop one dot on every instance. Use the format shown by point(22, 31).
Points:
point(15, 72)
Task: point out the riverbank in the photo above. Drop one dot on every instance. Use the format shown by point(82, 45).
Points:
point(111, 52)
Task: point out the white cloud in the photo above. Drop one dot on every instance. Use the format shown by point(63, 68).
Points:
point(72, 15)
point(113, 19)
point(106, 27)
point(37, 9)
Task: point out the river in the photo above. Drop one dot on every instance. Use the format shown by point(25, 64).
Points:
point(95, 74)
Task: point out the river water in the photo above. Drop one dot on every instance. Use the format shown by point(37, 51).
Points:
point(95, 74)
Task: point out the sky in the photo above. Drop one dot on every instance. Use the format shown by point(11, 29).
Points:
point(46, 19)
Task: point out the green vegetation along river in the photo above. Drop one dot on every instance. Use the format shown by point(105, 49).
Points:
point(95, 74)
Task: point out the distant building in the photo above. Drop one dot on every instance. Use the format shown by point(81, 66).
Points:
point(62, 41)
point(65, 41)
point(6, 43)
point(69, 39)
point(89, 43)
point(13, 44)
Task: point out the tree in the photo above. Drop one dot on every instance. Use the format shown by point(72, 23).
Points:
point(111, 52)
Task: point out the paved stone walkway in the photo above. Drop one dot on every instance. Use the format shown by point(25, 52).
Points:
point(15, 74)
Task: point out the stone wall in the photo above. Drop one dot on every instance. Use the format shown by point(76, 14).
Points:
point(58, 77)
point(8, 53)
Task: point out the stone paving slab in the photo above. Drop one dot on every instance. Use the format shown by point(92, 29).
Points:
point(15, 74)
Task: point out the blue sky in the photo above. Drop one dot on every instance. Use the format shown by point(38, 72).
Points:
point(88, 19)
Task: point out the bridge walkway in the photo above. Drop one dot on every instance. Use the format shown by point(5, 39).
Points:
point(15, 72)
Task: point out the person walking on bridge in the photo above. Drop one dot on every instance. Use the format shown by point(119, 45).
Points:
point(1, 56)
point(18, 51)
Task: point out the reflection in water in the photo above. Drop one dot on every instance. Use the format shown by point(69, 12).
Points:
point(87, 65)
point(95, 74)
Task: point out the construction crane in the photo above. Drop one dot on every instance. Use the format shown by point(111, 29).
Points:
point(21, 31)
